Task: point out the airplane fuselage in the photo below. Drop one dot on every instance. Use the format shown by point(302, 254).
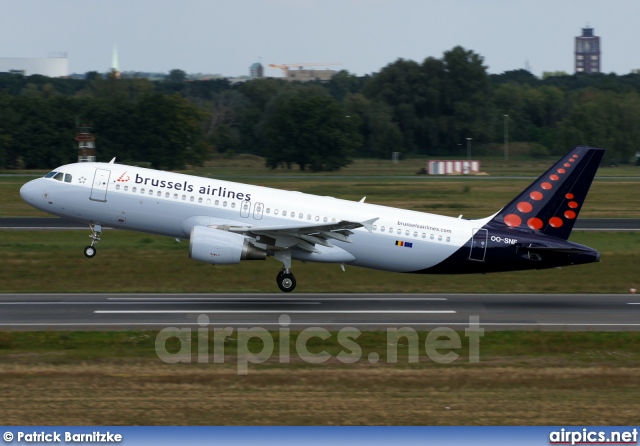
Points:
point(173, 204)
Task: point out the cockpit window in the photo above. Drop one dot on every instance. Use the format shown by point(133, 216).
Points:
point(67, 178)
point(58, 176)
point(50, 174)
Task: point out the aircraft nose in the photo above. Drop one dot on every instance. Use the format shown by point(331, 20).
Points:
point(28, 191)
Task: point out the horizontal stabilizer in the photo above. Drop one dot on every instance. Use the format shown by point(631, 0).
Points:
point(553, 250)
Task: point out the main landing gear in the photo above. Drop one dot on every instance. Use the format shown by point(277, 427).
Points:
point(285, 280)
point(90, 251)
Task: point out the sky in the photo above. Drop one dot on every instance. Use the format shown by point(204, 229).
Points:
point(226, 36)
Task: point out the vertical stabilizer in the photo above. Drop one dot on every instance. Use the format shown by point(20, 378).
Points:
point(551, 204)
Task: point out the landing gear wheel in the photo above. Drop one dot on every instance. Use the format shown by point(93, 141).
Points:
point(286, 282)
point(90, 251)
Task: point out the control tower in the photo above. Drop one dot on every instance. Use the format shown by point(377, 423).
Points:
point(587, 52)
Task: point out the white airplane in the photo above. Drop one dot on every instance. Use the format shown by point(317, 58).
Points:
point(228, 222)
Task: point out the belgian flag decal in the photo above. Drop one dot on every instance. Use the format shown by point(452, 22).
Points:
point(405, 244)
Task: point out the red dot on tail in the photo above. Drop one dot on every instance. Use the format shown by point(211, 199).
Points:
point(561, 170)
point(555, 222)
point(572, 204)
point(524, 207)
point(546, 186)
point(575, 155)
point(554, 177)
point(567, 165)
point(569, 196)
point(534, 223)
point(571, 160)
point(570, 215)
point(512, 220)
point(535, 195)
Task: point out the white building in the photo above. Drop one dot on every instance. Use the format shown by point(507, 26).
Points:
point(45, 66)
point(453, 167)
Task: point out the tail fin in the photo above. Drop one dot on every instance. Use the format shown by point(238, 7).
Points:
point(551, 203)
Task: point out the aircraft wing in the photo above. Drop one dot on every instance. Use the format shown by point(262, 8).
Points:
point(302, 236)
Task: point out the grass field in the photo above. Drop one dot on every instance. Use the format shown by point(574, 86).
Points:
point(114, 378)
point(613, 194)
point(52, 261)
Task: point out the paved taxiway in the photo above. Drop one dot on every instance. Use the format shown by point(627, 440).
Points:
point(583, 224)
point(620, 312)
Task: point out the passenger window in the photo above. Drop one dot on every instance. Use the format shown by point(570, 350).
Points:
point(275, 212)
point(117, 187)
point(325, 219)
point(399, 231)
point(67, 178)
point(200, 200)
point(374, 227)
point(431, 237)
point(150, 191)
point(381, 228)
point(424, 235)
point(406, 232)
point(126, 188)
point(415, 233)
point(224, 203)
point(439, 238)
point(300, 215)
point(284, 213)
point(268, 211)
point(233, 204)
point(184, 197)
point(217, 203)
point(192, 198)
point(175, 196)
point(142, 190)
point(308, 216)
point(134, 189)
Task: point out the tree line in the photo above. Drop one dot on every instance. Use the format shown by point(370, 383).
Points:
point(414, 108)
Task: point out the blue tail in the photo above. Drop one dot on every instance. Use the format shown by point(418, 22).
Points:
point(551, 204)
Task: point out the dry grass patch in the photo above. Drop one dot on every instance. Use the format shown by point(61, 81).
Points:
point(151, 393)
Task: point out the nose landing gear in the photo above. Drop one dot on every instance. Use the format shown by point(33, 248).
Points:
point(90, 251)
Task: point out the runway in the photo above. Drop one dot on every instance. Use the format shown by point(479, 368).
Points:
point(568, 312)
point(30, 223)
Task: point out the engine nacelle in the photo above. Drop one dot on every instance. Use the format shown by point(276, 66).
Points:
point(221, 247)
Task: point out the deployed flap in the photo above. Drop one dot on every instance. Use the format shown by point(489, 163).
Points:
point(304, 237)
point(306, 229)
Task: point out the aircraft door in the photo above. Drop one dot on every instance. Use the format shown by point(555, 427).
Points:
point(478, 245)
point(245, 209)
point(100, 184)
point(257, 211)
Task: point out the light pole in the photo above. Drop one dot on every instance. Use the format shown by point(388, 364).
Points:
point(506, 137)
point(469, 148)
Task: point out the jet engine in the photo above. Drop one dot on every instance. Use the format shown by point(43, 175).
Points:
point(220, 247)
